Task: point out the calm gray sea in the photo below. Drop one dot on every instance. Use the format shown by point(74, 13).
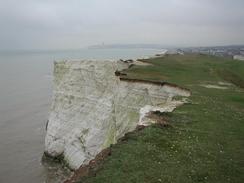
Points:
point(25, 96)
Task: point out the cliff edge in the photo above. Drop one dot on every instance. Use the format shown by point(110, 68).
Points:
point(93, 107)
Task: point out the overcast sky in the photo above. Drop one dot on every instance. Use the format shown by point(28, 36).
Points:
point(67, 24)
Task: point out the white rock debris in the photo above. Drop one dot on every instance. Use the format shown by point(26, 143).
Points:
point(167, 107)
point(92, 108)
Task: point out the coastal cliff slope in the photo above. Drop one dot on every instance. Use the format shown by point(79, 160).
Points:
point(92, 108)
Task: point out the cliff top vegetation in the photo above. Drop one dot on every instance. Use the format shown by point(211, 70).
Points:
point(205, 139)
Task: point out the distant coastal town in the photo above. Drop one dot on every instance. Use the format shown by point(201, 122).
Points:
point(235, 52)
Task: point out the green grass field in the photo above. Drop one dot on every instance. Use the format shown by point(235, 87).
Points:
point(205, 142)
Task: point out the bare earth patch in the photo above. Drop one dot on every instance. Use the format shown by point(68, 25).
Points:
point(214, 86)
point(141, 63)
point(224, 83)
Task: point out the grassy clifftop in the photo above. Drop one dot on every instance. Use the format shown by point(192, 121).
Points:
point(205, 141)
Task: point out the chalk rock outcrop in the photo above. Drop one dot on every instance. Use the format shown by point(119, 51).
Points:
point(92, 108)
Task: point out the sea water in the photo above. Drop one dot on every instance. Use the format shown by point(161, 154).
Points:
point(25, 97)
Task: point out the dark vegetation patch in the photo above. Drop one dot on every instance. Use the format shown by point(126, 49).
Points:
point(239, 99)
point(231, 77)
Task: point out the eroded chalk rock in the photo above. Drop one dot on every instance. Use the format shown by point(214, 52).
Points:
point(92, 108)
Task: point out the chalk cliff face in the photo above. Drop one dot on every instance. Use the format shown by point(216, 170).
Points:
point(92, 108)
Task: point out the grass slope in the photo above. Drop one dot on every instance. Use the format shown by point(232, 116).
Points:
point(206, 140)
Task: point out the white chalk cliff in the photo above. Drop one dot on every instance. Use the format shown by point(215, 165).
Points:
point(92, 108)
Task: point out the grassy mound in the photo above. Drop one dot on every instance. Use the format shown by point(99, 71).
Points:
point(205, 141)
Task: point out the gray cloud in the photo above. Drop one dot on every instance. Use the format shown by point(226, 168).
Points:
point(60, 24)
